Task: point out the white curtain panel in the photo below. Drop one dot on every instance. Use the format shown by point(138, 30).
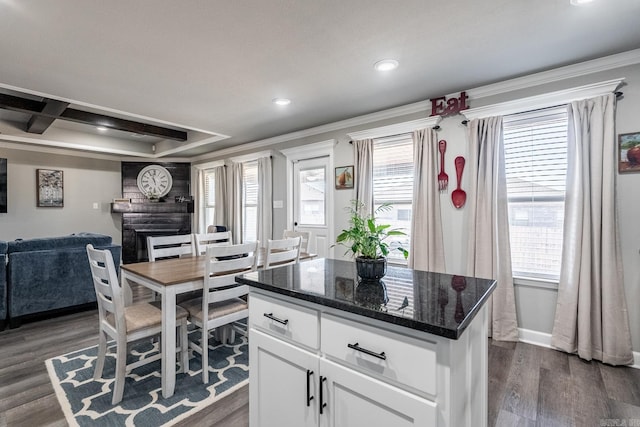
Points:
point(221, 196)
point(265, 203)
point(198, 208)
point(235, 205)
point(427, 247)
point(489, 251)
point(363, 155)
point(591, 314)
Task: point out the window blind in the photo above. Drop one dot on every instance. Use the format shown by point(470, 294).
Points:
point(250, 201)
point(393, 170)
point(210, 189)
point(536, 154)
point(393, 183)
point(535, 146)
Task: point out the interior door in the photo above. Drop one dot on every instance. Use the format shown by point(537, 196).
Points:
point(311, 203)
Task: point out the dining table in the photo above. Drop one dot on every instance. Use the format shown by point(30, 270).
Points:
point(169, 278)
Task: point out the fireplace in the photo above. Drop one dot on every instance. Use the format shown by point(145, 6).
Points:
point(141, 240)
point(142, 218)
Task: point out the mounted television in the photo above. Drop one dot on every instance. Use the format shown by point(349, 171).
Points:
point(3, 185)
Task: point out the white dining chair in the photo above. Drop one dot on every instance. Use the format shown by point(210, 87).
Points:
point(223, 301)
point(160, 247)
point(126, 324)
point(304, 235)
point(282, 252)
point(204, 240)
point(172, 246)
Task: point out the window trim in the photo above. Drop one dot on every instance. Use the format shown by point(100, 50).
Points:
point(538, 102)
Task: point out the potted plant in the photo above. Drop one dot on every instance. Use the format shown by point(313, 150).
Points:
point(366, 240)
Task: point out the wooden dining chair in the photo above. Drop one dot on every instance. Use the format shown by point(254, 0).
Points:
point(223, 301)
point(304, 235)
point(281, 252)
point(204, 240)
point(126, 324)
point(160, 247)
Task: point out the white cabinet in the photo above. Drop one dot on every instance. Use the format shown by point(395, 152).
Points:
point(355, 399)
point(311, 365)
point(283, 382)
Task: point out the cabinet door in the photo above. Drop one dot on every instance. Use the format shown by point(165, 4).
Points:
point(356, 400)
point(283, 383)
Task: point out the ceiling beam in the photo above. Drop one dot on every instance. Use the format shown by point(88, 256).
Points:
point(39, 108)
point(38, 124)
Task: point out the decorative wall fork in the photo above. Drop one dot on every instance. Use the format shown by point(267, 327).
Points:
point(443, 178)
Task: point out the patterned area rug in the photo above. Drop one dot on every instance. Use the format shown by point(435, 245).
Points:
point(86, 402)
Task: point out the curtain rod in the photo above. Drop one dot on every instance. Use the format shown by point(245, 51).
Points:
point(436, 127)
point(618, 95)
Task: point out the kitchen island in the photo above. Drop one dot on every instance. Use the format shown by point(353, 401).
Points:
point(328, 350)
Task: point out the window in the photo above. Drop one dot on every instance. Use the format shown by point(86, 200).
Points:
point(312, 196)
point(393, 183)
point(250, 201)
point(209, 204)
point(535, 145)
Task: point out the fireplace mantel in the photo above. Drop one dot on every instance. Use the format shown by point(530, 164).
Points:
point(159, 207)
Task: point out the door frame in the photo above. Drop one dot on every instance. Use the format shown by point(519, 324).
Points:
point(310, 151)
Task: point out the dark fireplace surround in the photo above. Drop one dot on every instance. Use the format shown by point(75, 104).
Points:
point(142, 218)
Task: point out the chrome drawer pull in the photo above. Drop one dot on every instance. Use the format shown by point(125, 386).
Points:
point(272, 317)
point(369, 352)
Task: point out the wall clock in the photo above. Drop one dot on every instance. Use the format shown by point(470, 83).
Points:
point(154, 180)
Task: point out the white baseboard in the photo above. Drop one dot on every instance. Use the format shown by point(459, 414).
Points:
point(543, 339)
point(529, 336)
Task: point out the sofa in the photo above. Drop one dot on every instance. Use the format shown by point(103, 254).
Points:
point(49, 276)
point(3, 284)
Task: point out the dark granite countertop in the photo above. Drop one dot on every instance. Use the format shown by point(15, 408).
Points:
point(441, 304)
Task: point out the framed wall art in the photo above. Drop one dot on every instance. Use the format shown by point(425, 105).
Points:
point(344, 177)
point(49, 188)
point(629, 152)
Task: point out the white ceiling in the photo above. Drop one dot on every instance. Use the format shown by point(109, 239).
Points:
point(215, 65)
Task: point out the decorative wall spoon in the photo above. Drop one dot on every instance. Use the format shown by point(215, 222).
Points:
point(458, 196)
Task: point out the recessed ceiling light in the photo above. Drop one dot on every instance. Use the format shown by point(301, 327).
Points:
point(281, 101)
point(101, 128)
point(580, 2)
point(386, 65)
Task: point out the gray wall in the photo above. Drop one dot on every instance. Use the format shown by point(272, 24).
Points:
point(86, 181)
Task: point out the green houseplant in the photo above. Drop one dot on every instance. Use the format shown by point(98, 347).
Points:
point(366, 240)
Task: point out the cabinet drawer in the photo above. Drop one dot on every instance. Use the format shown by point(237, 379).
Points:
point(403, 360)
point(278, 318)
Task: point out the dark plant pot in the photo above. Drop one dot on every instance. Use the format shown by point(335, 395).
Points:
point(372, 294)
point(371, 269)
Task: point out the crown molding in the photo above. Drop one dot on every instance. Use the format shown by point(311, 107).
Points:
point(606, 63)
point(416, 107)
point(543, 101)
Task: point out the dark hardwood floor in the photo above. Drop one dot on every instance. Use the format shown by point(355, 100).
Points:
point(528, 385)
